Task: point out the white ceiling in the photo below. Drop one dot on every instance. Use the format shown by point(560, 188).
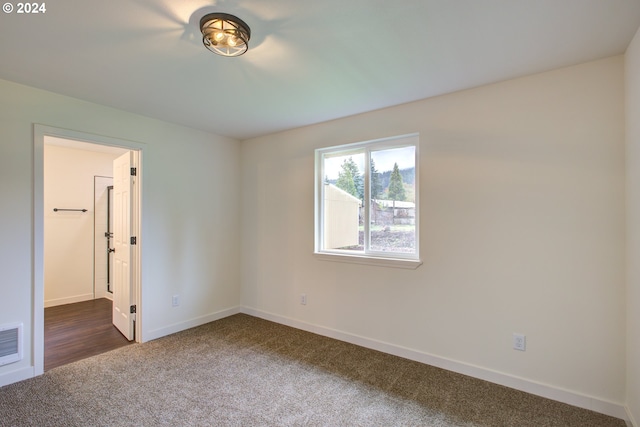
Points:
point(308, 61)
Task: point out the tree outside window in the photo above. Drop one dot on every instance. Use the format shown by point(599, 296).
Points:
point(368, 211)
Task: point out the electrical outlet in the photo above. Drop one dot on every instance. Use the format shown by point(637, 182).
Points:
point(519, 342)
point(303, 299)
point(175, 300)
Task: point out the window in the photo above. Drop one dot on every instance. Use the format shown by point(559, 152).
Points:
point(367, 202)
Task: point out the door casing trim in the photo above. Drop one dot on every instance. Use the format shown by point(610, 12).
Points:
point(37, 248)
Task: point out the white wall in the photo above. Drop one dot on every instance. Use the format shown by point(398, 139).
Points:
point(522, 225)
point(190, 212)
point(68, 236)
point(632, 74)
point(522, 230)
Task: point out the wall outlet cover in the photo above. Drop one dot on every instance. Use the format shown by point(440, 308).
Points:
point(519, 342)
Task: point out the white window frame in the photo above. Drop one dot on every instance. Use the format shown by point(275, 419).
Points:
point(385, 259)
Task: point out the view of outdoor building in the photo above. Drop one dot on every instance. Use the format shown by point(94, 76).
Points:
point(370, 209)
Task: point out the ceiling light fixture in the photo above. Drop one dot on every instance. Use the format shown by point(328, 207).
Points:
point(225, 34)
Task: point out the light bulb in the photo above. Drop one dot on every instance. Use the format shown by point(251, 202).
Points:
point(224, 34)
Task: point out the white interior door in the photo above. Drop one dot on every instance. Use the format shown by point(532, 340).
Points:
point(123, 182)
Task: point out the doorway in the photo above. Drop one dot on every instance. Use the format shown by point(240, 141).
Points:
point(43, 135)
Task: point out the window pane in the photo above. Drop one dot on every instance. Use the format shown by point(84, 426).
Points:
point(393, 207)
point(343, 193)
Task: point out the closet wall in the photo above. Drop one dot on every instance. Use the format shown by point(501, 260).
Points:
point(69, 236)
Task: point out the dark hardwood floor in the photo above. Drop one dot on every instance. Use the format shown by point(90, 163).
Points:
point(76, 331)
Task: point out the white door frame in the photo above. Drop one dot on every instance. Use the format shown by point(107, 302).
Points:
point(39, 132)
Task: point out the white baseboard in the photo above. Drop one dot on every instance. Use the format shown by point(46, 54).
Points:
point(29, 372)
point(67, 300)
point(187, 324)
point(522, 384)
point(104, 294)
point(554, 393)
point(17, 375)
point(631, 422)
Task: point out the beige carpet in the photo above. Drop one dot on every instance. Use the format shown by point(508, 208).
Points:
point(244, 371)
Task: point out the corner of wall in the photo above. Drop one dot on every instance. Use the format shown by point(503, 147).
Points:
point(632, 130)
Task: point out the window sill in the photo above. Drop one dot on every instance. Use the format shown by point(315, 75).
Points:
point(410, 264)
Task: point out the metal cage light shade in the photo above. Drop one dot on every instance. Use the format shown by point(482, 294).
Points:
point(225, 34)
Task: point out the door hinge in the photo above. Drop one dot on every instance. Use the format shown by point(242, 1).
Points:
point(133, 309)
point(134, 241)
point(134, 171)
